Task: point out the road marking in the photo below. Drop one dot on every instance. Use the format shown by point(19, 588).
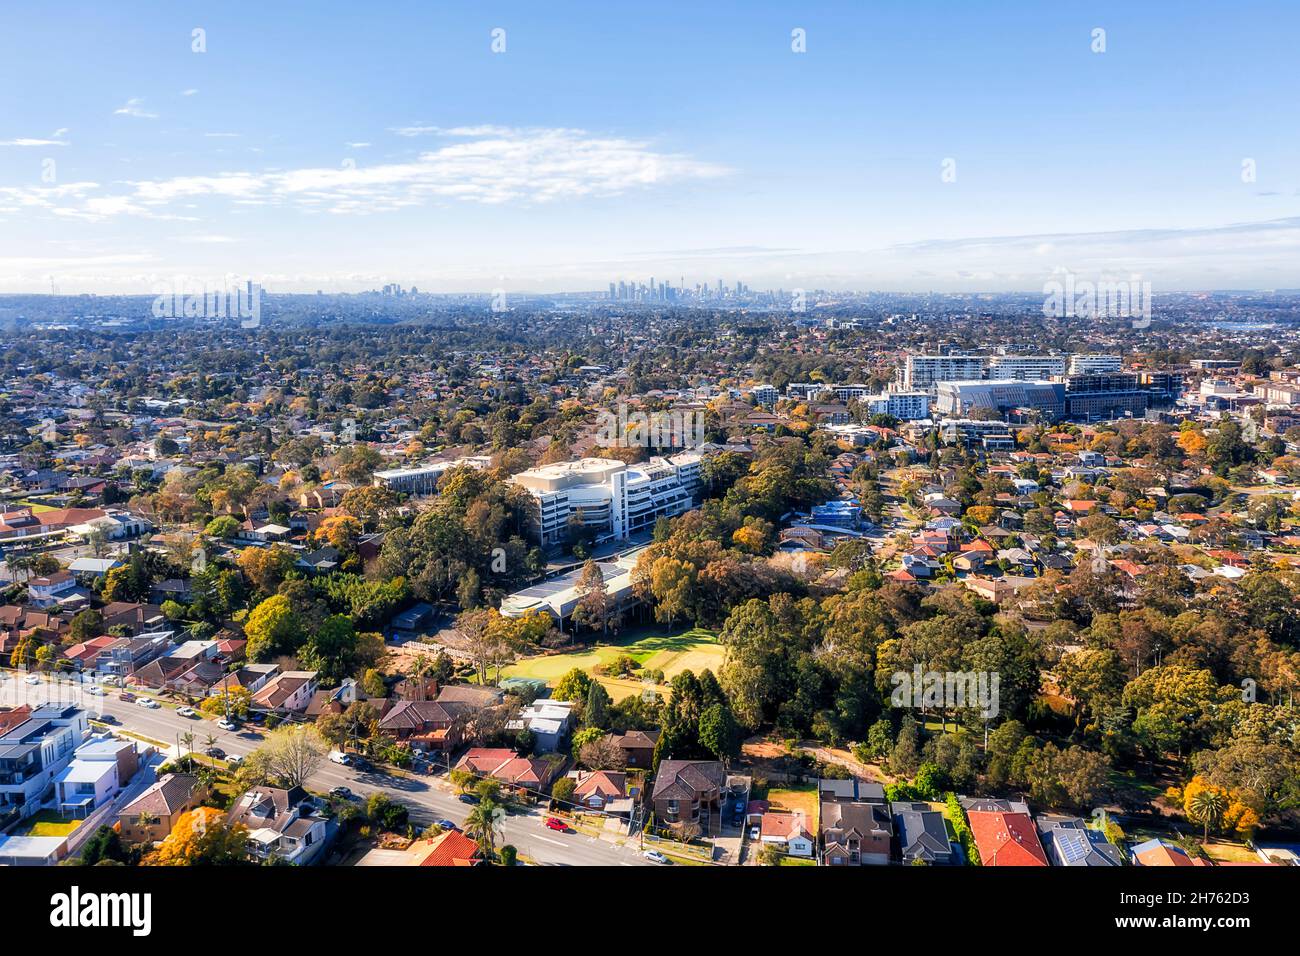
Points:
point(549, 840)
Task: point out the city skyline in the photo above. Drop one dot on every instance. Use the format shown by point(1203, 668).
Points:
point(814, 147)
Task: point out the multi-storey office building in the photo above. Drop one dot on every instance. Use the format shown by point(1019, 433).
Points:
point(610, 498)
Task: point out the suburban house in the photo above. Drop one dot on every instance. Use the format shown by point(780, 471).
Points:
point(51, 589)
point(1006, 839)
point(149, 818)
point(450, 848)
point(855, 833)
point(282, 824)
point(1158, 852)
point(98, 772)
point(500, 763)
point(425, 724)
point(638, 746)
point(689, 792)
point(1070, 842)
point(288, 692)
point(599, 788)
point(923, 834)
point(789, 831)
point(548, 720)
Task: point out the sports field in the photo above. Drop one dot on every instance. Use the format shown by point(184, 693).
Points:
point(694, 649)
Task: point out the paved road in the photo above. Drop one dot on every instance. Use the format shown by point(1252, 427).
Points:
point(429, 798)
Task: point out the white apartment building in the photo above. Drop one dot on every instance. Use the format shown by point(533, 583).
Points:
point(923, 371)
point(905, 406)
point(1025, 368)
point(614, 499)
point(765, 395)
point(1095, 364)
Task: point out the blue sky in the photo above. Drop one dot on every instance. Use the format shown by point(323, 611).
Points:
point(345, 145)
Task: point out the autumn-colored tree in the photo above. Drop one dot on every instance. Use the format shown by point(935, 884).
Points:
point(201, 837)
point(265, 568)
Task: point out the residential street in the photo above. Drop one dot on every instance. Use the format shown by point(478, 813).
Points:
point(430, 798)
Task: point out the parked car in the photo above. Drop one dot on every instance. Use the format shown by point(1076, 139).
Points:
point(467, 798)
point(95, 690)
point(361, 764)
point(126, 695)
point(225, 724)
point(215, 752)
point(107, 719)
point(654, 856)
point(448, 825)
point(555, 823)
point(32, 679)
point(340, 758)
point(753, 833)
point(149, 703)
point(186, 712)
point(234, 760)
point(111, 681)
point(343, 793)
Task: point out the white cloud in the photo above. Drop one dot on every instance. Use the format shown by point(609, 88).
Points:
point(493, 166)
point(357, 145)
point(35, 142)
point(134, 107)
point(190, 92)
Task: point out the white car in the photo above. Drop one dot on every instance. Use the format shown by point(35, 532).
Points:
point(753, 833)
point(234, 760)
point(654, 856)
point(186, 712)
point(95, 690)
point(32, 679)
point(226, 724)
point(339, 757)
point(148, 703)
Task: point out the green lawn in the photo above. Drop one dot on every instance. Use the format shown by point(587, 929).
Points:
point(693, 649)
point(47, 823)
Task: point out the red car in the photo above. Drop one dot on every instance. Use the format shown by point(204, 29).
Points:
point(555, 823)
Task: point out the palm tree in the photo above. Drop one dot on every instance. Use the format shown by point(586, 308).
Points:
point(483, 826)
point(1208, 807)
point(187, 739)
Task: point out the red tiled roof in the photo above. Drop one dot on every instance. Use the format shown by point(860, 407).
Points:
point(1006, 839)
